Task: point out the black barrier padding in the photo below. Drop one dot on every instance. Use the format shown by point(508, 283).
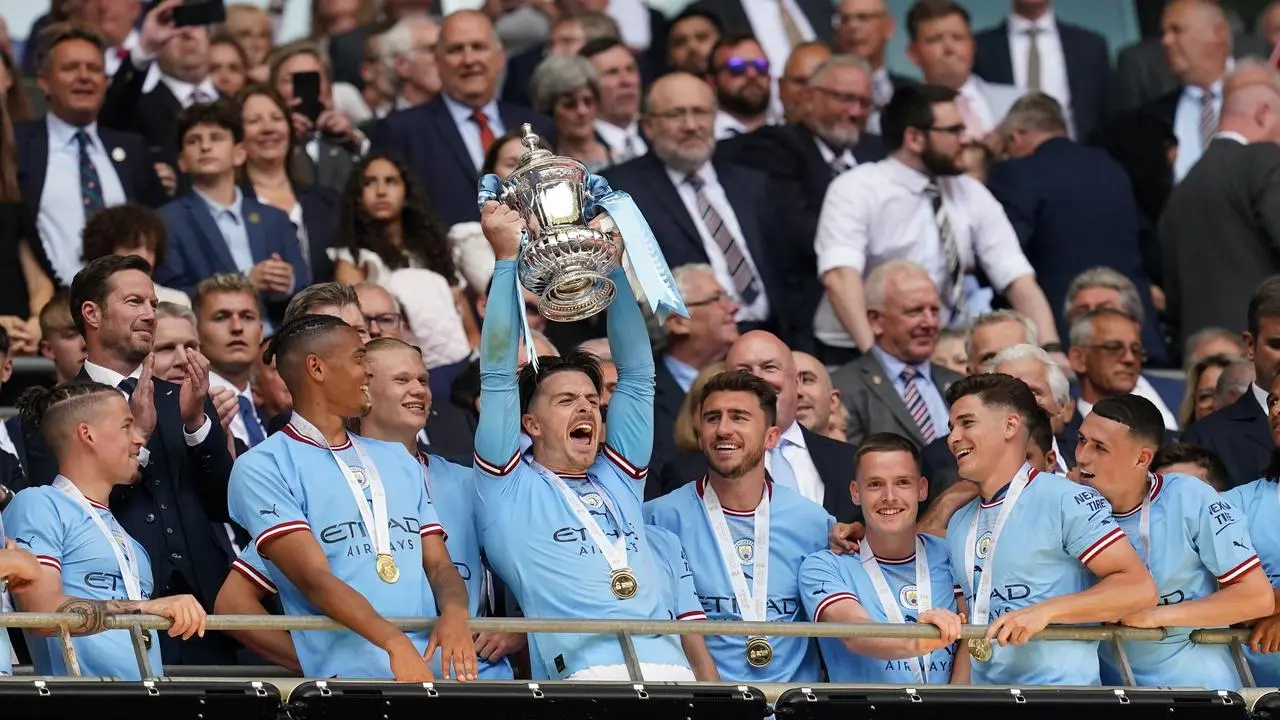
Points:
point(1267, 707)
point(945, 703)
point(524, 701)
point(60, 700)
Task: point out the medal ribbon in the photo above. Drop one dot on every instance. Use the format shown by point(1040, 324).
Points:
point(614, 551)
point(924, 595)
point(982, 594)
point(120, 544)
point(1144, 521)
point(751, 604)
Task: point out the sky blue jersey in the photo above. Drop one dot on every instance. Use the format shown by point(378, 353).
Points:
point(1198, 541)
point(682, 598)
point(1259, 503)
point(797, 528)
point(288, 483)
point(54, 527)
point(532, 538)
point(6, 650)
point(827, 579)
point(1050, 537)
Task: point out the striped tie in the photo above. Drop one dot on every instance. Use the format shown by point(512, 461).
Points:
point(915, 404)
point(953, 288)
point(745, 283)
point(839, 166)
point(1208, 118)
point(90, 185)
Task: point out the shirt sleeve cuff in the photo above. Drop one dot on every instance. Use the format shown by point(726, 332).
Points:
point(140, 58)
point(840, 257)
point(197, 437)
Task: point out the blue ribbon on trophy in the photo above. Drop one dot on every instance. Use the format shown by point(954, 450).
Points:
point(491, 189)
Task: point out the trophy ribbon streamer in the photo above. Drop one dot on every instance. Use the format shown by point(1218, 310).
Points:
point(491, 189)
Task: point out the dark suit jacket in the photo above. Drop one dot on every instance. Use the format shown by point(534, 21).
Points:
point(171, 512)
point(667, 398)
point(1220, 235)
point(734, 17)
point(332, 166)
point(1088, 68)
point(754, 199)
point(134, 167)
point(346, 52)
point(874, 405)
point(1238, 434)
point(198, 250)
point(321, 209)
point(1073, 209)
point(429, 141)
point(1143, 74)
point(153, 115)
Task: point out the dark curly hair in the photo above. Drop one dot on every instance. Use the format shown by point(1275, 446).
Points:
point(422, 231)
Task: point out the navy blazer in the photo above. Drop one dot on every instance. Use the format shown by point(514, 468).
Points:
point(754, 199)
point(132, 163)
point(321, 209)
point(1073, 209)
point(1238, 433)
point(198, 250)
point(426, 137)
point(1088, 68)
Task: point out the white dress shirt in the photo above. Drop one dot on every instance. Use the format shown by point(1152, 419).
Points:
point(468, 128)
point(796, 452)
point(624, 142)
point(757, 311)
point(112, 56)
point(1186, 126)
point(980, 118)
point(60, 219)
point(1053, 61)
point(1143, 390)
point(6, 442)
point(828, 156)
point(1261, 396)
point(727, 126)
point(238, 429)
point(107, 376)
point(878, 212)
point(185, 92)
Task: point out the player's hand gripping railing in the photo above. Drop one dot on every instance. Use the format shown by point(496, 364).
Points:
point(67, 623)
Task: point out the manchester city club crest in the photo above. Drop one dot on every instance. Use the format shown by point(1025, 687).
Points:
point(362, 478)
point(907, 597)
point(984, 546)
point(592, 500)
point(746, 549)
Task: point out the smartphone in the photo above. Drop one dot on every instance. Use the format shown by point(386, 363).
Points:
point(199, 12)
point(306, 88)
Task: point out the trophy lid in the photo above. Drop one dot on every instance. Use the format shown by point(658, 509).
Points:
point(532, 152)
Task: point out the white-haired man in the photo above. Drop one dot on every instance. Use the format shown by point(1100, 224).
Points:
point(408, 58)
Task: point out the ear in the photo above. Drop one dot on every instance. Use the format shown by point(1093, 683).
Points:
point(182, 163)
point(874, 319)
point(84, 434)
point(1076, 357)
point(1249, 348)
point(1012, 426)
point(924, 489)
point(238, 155)
point(1051, 459)
point(836, 400)
point(315, 367)
point(771, 437)
point(92, 314)
point(46, 350)
point(677, 325)
point(6, 371)
point(531, 425)
point(913, 55)
point(1145, 457)
point(853, 492)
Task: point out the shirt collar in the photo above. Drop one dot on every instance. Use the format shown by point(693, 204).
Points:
point(462, 113)
point(1228, 135)
point(683, 373)
point(908, 177)
point(62, 133)
point(217, 381)
point(794, 435)
point(1047, 24)
point(830, 155)
point(1084, 407)
point(707, 173)
point(107, 376)
point(894, 367)
point(182, 89)
point(615, 135)
point(216, 209)
point(1260, 395)
point(1195, 93)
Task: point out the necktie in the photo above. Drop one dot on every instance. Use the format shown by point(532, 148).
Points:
point(779, 468)
point(915, 404)
point(128, 385)
point(1208, 118)
point(794, 36)
point(486, 133)
point(838, 166)
point(744, 278)
point(90, 186)
point(251, 424)
point(953, 288)
point(1033, 59)
point(199, 96)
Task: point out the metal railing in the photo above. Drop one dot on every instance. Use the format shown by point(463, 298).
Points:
point(67, 623)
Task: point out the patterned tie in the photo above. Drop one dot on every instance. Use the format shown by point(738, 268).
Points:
point(90, 186)
point(1033, 59)
point(486, 132)
point(915, 404)
point(252, 425)
point(128, 385)
point(1208, 118)
point(794, 35)
point(198, 97)
point(953, 288)
point(838, 166)
point(744, 278)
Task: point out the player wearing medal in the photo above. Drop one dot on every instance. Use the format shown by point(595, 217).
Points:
point(564, 529)
point(898, 576)
point(347, 523)
point(89, 565)
point(1027, 550)
point(1193, 540)
point(745, 536)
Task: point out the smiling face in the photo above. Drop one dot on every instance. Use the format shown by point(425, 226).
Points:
point(126, 323)
point(1109, 457)
point(734, 433)
point(343, 372)
point(981, 435)
point(266, 128)
point(889, 489)
point(762, 354)
point(398, 390)
point(470, 58)
point(564, 421)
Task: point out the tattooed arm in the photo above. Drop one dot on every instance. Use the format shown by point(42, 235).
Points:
point(44, 594)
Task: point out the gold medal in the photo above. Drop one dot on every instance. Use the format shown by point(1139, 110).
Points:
point(387, 569)
point(980, 649)
point(759, 652)
point(624, 584)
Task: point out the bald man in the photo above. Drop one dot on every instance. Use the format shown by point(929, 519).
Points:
point(793, 86)
point(465, 117)
point(1222, 222)
point(818, 399)
point(705, 210)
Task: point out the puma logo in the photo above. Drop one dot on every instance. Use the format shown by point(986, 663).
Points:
point(22, 541)
point(272, 511)
point(1239, 544)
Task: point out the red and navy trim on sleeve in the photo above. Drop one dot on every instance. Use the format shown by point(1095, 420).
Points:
point(433, 529)
point(50, 561)
point(635, 473)
point(1101, 544)
point(692, 615)
point(254, 576)
point(283, 528)
point(830, 600)
point(498, 470)
point(1238, 571)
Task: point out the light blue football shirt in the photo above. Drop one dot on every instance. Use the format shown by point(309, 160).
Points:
point(55, 528)
point(6, 649)
point(532, 538)
point(797, 528)
point(1198, 540)
point(682, 599)
point(1053, 532)
point(1259, 502)
point(288, 483)
point(826, 579)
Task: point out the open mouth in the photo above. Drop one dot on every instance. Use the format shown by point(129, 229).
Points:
point(582, 434)
point(890, 512)
point(727, 448)
point(417, 408)
point(962, 454)
point(1086, 475)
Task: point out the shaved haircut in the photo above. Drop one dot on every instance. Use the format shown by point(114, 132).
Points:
point(296, 340)
point(56, 411)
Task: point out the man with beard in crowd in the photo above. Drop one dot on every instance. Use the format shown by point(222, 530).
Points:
point(740, 74)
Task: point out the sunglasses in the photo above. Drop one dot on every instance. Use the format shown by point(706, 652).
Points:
point(738, 67)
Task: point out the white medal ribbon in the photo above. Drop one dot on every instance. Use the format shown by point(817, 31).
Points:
point(892, 611)
point(375, 518)
point(121, 545)
point(1144, 522)
point(982, 594)
point(614, 551)
point(751, 604)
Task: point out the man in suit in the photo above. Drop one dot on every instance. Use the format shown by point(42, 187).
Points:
point(894, 387)
point(445, 141)
point(230, 330)
point(1239, 433)
point(69, 165)
point(216, 228)
point(779, 26)
point(690, 38)
point(707, 211)
point(1036, 52)
point(942, 47)
point(1221, 226)
point(1072, 207)
point(185, 464)
point(620, 83)
point(11, 477)
point(740, 75)
point(793, 86)
point(863, 28)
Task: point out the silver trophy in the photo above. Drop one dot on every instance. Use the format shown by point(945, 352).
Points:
point(563, 260)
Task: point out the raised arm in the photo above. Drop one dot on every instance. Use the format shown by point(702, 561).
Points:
point(498, 432)
point(629, 429)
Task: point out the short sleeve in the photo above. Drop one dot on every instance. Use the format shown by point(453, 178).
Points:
point(33, 522)
point(1087, 525)
point(429, 521)
point(1222, 537)
point(842, 234)
point(253, 567)
point(262, 500)
point(821, 584)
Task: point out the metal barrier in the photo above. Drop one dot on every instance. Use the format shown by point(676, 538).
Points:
point(67, 623)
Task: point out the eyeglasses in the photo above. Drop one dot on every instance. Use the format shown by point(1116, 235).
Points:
point(390, 321)
point(738, 67)
point(844, 98)
point(1115, 348)
point(719, 297)
point(699, 114)
point(793, 80)
point(858, 17)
